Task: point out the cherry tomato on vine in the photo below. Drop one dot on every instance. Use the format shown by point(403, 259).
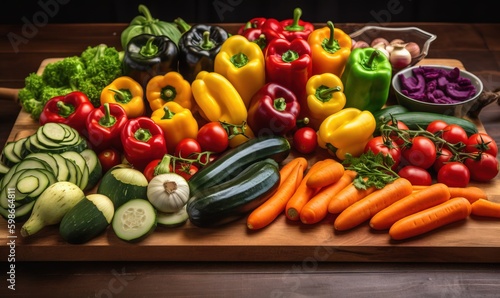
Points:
point(109, 158)
point(394, 136)
point(436, 126)
point(305, 140)
point(186, 170)
point(481, 142)
point(213, 137)
point(416, 175)
point(386, 146)
point(454, 174)
point(149, 170)
point(186, 147)
point(454, 134)
point(484, 167)
point(443, 156)
point(421, 153)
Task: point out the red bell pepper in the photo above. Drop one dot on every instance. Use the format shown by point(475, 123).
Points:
point(252, 30)
point(255, 23)
point(289, 64)
point(273, 108)
point(71, 109)
point(288, 29)
point(143, 141)
point(104, 125)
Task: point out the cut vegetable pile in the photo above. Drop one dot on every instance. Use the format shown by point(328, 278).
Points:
point(202, 127)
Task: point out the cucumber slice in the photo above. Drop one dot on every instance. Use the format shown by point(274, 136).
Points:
point(19, 149)
point(53, 131)
point(3, 169)
point(73, 170)
point(9, 157)
point(62, 168)
point(82, 165)
point(174, 219)
point(45, 157)
point(94, 165)
point(21, 213)
point(134, 220)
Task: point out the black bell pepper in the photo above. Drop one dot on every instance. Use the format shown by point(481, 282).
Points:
point(198, 48)
point(148, 55)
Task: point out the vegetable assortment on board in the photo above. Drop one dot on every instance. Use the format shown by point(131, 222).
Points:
point(189, 123)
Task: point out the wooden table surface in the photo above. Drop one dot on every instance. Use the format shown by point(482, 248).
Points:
point(477, 46)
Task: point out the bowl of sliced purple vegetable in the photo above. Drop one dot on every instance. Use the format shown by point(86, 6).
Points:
point(437, 89)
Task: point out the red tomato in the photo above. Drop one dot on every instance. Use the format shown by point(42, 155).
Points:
point(186, 147)
point(149, 170)
point(436, 126)
point(481, 142)
point(395, 137)
point(109, 158)
point(186, 170)
point(443, 156)
point(380, 144)
point(454, 174)
point(421, 153)
point(455, 134)
point(213, 137)
point(305, 140)
point(416, 175)
point(483, 168)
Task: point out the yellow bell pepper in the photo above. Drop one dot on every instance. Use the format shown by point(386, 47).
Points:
point(346, 131)
point(330, 48)
point(176, 122)
point(242, 63)
point(169, 87)
point(218, 100)
point(126, 92)
point(325, 96)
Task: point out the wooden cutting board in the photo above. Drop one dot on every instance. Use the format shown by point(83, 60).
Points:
point(471, 240)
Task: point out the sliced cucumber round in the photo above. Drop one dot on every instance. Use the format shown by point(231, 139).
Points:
point(174, 219)
point(134, 220)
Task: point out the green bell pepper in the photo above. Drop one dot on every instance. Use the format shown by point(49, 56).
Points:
point(367, 79)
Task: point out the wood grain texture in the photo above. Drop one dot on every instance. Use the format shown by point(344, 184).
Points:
point(472, 240)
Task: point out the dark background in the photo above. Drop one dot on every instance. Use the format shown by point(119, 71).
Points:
point(239, 11)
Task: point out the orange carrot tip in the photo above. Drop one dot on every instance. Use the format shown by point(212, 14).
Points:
point(483, 207)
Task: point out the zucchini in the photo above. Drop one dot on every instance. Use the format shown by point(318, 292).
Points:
point(235, 160)
point(383, 115)
point(416, 120)
point(172, 220)
point(21, 213)
point(9, 157)
point(47, 158)
point(82, 166)
point(3, 170)
point(87, 219)
point(134, 220)
point(231, 200)
point(122, 184)
point(31, 183)
point(94, 167)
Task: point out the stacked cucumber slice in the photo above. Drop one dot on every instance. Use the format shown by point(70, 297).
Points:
point(55, 152)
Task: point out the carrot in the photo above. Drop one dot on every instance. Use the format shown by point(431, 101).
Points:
point(471, 193)
point(368, 206)
point(267, 212)
point(417, 201)
point(302, 195)
point(328, 174)
point(348, 196)
point(317, 207)
point(453, 210)
point(290, 167)
point(483, 207)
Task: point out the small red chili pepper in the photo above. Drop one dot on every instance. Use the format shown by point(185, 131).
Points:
point(143, 141)
point(71, 109)
point(104, 125)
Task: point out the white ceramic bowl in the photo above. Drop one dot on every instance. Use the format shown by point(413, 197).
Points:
point(458, 109)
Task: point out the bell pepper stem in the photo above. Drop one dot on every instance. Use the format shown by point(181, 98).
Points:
point(239, 60)
point(149, 50)
point(290, 56)
point(331, 45)
point(168, 93)
point(280, 104)
point(142, 134)
point(332, 148)
point(65, 109)
point(182, 25)
point(324, 94)
point(372, 57)
point(145, 12)
point(107, 120)
point(168, 113)
point(122, 95)
point(261, 41)
point(297, 13)
point(207, 44)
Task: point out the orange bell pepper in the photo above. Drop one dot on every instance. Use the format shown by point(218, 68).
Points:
point(330, 48)
point(169, 87)
point(126, 92)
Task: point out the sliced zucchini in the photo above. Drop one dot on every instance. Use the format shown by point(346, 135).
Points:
point(174, 219)
point(19, 149)
point(21, 213)
point(23, 165)
point(82, 165)
point(45, 157)
point(94, 166)
point(74, 171)
point(134, 220)
point(8, 154)
point(54, 132)
point(42, 178)
point(3, 169)
point(62, 168)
